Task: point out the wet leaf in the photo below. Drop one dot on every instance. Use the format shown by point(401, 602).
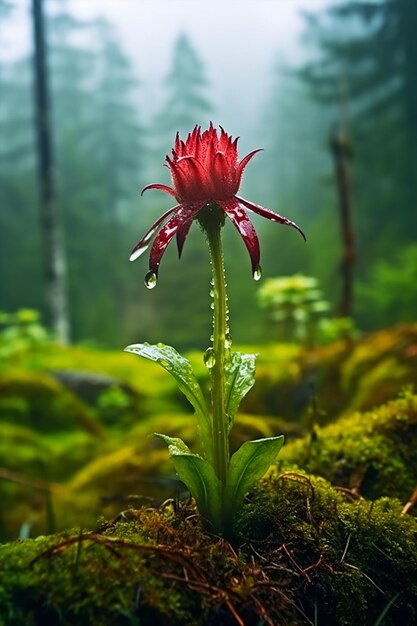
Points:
point(240, 378)
point(198, 475)
point(180, 368)
point(248, 465)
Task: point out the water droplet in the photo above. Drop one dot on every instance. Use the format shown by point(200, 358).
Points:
point(212, 305)
point(150, 280)
point(212, 282)
point(160, 344)
point(163, 362)
point(227, 341)
point(209, 358)
point(257, 274)
point(212, 293)
point(211, 337)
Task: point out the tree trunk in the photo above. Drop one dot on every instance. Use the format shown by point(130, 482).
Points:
point(341, 150)
point(52, 237)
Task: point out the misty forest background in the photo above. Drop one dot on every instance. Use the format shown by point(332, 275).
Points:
point(358, 78)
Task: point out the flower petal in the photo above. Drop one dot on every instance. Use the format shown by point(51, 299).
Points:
point(270, 215)
point(182, 233)
point(246, 229)
point(144, 243)
point(191, 179)
point(243, 163)
point(161, 187)
point(182, 216)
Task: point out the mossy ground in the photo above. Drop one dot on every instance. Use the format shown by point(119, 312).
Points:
point(302, 553)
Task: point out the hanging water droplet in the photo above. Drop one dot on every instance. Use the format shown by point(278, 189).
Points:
point(212, 282)
point(212, 305)
point(227, 340)
point(257, 274)
point(163, 362)
point(150, 280)
point(209, 358)
point(212, 293)
point(212, 337)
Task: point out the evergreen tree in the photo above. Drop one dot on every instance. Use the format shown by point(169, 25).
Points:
point(372, 48)
point(186, 104)
point(99, 151)
point(293, 178)
point(20, 271)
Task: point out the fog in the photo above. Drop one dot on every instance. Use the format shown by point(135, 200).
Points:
point(239, 42)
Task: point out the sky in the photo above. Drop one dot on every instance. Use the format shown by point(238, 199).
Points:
point(238, 40)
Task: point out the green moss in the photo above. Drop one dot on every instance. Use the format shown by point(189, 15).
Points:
point(374, 452)
point(347, 558)
point(37, 400)
point(304, 549)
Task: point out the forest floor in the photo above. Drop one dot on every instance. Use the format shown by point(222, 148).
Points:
point(327, 537)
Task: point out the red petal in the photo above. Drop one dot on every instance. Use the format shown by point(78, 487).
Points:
point(270, 215)
point(182, 233)
point(192, 179)
point(246, 229)
point(143, 244)
point(243, 164)
point(161, 187)
point(177, 221)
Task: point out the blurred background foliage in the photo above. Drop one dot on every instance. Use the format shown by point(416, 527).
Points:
point(358, 68)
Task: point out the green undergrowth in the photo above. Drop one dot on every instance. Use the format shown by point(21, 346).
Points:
point(302, 553)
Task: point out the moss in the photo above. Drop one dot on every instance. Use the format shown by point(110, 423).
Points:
point(37, 400)
point(374, 452)
point(347, 559)
point(304, 549)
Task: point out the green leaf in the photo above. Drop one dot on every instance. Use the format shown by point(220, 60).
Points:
point(248, 465)
point(240, 378)
point(199, 476)
point(180, 368)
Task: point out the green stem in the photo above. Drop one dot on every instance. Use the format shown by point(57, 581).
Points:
point(212, 223)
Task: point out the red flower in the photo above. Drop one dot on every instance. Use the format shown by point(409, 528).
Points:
point(204, 169)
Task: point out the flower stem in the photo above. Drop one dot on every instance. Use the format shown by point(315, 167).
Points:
point(212, 223)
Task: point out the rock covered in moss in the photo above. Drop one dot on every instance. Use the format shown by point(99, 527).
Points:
point(302, 552)
point(36, 400)
point(374, 453)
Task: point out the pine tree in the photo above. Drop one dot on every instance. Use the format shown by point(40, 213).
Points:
point(20, 269)
point(372, 48)
point(186, 104)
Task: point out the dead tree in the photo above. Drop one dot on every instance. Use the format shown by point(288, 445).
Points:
point(54, 265)
point(341, 148)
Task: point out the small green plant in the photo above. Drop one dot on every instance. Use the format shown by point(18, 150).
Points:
point(20, 331)
point(113, 404)
point(206, 177)
point(295, 304)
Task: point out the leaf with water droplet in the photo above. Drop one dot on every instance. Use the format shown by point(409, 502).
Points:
point(240, 378)
point(180, 368)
